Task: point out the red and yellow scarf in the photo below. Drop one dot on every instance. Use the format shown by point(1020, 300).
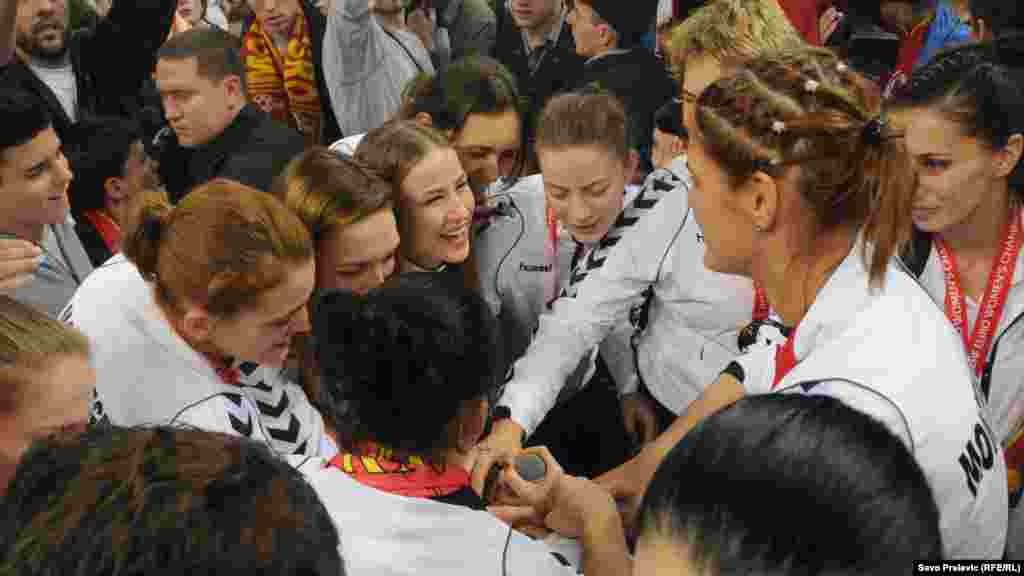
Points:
point(284, 86)
point(380, 468)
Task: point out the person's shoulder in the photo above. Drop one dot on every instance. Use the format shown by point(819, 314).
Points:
point(272, 132)
point(117, 277)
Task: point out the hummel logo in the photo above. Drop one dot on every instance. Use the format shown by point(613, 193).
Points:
point(700, 238)
point(524, 267)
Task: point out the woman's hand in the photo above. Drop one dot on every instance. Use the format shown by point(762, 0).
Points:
point(638, 416)
point(503, 443)
point(19, 260)
point(564, 504)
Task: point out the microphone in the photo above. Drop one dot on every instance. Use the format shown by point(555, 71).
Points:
point(529, 466)
point(501, 209)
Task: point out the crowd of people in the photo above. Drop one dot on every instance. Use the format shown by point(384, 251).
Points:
point(295, 286)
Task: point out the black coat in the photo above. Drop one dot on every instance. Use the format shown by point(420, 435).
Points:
point(558, 72)
point(112, 62)
point(252, 150)
point(643, 84)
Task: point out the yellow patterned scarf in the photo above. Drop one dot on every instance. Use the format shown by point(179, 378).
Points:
point(284, 87)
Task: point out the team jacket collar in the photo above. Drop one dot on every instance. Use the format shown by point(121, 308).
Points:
point(846, 293)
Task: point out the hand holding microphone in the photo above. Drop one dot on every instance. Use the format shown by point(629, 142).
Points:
point(554, 500)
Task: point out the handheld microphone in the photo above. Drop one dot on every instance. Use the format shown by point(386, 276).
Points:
point(482, 213)
point(529, 466)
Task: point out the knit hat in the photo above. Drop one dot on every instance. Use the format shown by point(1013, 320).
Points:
point(631, 19)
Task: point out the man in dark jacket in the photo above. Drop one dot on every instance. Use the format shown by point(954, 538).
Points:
point(94, 71)
point(213, 131)
point(536, 45)
point(608, 34)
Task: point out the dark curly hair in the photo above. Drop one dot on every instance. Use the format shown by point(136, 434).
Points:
point(397, 364)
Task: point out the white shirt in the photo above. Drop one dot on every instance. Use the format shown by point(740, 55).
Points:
point(147, 375)
point(60, 80)
point(385, 534)
point(1005, 398)
point(695, 315)
point(891, 354)
point(348, 145)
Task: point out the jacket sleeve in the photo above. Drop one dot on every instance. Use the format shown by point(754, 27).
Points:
point(477, 28)
point(603, 301)
point(121, 52)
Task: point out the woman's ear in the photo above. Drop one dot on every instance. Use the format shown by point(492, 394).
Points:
point(424, 119)
point(678, 146)
point(197, 324)
point(632, 166)
point(760, 199)
point(1009, 156)
point(115, 189)
point(472, 421)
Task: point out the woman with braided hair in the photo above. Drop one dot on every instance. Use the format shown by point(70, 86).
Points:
point(801, 186)
point(965, 134)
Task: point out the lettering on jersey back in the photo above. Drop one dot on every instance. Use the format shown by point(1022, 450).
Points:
point(524, 267)
point(977, 458)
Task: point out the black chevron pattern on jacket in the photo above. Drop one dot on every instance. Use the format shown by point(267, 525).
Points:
point(659, 183)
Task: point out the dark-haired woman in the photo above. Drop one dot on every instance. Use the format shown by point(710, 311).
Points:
point(476, 104)
point(803, 188)
point(778, 465)
point(194, 323)
point(410, 367)
point(965, 134)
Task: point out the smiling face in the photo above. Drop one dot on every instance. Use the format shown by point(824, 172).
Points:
point(262, 333)
point(436, 209)
point(358, 257)
point(585, 187)
point(34, 180)
point(956, 174)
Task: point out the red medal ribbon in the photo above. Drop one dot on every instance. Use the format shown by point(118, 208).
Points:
point(761, 308)
point(785, 358)
point(991, 308)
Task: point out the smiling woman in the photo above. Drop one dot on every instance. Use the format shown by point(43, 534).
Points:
point(433, 200)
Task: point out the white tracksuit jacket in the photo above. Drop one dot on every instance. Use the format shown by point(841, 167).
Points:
point(695, 315)
point(891, 354)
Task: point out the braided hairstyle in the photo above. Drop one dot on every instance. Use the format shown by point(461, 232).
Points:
point(979, 87)
point(805, 107)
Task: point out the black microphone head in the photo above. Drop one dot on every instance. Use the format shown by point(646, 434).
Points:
point(531, 467)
